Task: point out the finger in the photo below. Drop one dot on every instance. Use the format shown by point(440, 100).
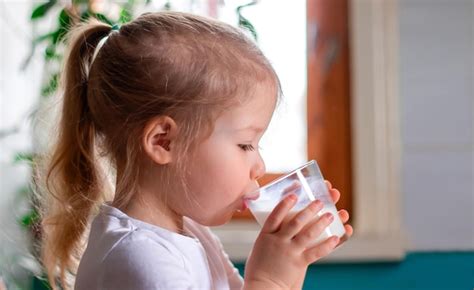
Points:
point(349, 230)
point(343, 215)
point(294, 225)
point(347, 235)
point(314, 230)
point(315, 253)
point(329, 185)
point(335, 195)
point(294, 186)
point(272, 224)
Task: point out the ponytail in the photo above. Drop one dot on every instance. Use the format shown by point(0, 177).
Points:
point(74, 182)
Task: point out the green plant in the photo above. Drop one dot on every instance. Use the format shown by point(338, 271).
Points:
point(53, 43)
point(77, 11)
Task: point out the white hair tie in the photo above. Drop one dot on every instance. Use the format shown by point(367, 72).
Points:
point(98, 47)
point(101, 43)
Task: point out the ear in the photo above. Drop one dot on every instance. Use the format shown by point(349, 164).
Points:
point(158, 137)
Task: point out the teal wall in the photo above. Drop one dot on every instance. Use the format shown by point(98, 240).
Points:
point(450, 271)
point(418, 271)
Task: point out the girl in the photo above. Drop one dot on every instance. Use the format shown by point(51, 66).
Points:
point(171, 107)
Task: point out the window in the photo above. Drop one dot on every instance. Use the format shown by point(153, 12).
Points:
point(368, 119)
point(313, 121)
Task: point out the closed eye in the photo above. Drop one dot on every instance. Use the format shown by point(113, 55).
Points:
point(246, 147)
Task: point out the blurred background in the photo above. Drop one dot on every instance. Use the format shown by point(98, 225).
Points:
point(380, 93)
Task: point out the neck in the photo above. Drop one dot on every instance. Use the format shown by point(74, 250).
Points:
point(147, 206)
point(153, 211)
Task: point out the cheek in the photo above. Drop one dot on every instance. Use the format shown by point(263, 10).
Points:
point(218, 160)
point(218, 174)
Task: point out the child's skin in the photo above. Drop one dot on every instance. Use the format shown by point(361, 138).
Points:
point(279, 256)
point(220, 174)
point(225, 169)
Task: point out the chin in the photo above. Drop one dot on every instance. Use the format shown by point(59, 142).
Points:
point(215, 221)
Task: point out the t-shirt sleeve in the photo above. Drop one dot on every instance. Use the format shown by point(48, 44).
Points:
point(139, 262)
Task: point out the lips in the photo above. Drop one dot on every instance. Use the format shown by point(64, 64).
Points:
point(252, 194)
point(246, 199)
point(253, 197)
point(244, 206)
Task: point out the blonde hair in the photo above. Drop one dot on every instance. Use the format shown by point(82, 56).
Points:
point(165, 63)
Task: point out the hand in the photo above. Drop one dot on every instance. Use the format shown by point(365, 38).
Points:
point(280, 256)
point(335, 196)
point(344, 216)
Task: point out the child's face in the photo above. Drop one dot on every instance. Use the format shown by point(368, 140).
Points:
point(228, 163)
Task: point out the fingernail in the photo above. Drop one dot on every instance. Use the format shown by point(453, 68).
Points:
point(330, 217)
point(315, 204)
point(292, 197)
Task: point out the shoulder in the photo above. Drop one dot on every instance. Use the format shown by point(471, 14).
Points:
point(203, 233)
point(144, 261)
point(142, 243)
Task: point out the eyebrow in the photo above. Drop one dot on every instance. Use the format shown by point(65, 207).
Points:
point(251, 128)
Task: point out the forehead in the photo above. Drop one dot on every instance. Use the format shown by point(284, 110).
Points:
point(253, 114)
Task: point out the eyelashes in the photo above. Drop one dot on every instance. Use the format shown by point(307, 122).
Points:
point(246, 147)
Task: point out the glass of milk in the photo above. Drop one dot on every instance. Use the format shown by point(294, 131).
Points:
point(308, 184)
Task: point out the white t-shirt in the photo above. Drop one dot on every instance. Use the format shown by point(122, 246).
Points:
point(125, 253)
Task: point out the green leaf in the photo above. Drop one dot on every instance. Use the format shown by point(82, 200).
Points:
point(42, 9)
point(51, 86)
point(43, 37)
point(23, 157)
point(24, 191)
point(55, 39)
point(41, 283)
point(167, 6)
point(86, 15)
point(61, 34)
point(50, 51)
point(244, 22)
point(125, 16)
point(64, 26)
point(103, 18)
point(76, 2)
point(64, 19)
point(29, 219)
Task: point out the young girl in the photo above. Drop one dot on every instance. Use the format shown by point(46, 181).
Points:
point(171, 107)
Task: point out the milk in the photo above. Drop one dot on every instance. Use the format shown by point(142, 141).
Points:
point(307, 184)
point(336, 228)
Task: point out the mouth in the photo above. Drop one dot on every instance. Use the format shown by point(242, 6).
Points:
point(253, 197)
point(246, 199)
point(244, 206)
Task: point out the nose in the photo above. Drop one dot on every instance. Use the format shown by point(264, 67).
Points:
point(258, 169)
